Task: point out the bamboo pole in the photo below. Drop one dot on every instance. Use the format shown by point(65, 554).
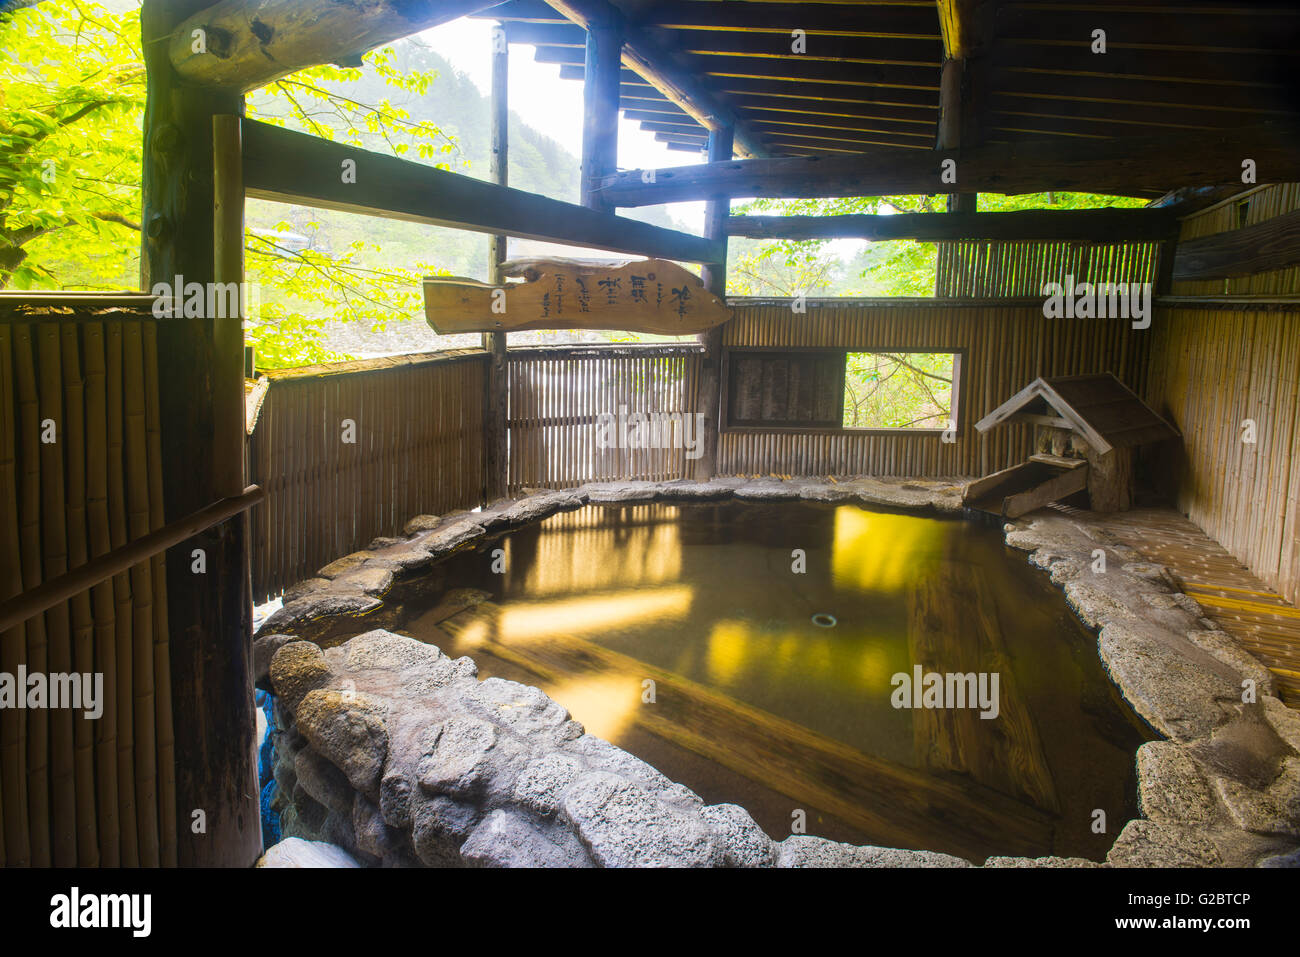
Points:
point(102, 594)
point(124, 618)
point(13, 651)
point(83, 623)
point(54, 560)
point(142, 652)
point(166, 743)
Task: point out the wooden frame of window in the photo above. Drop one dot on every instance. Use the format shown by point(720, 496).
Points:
point(728, 423)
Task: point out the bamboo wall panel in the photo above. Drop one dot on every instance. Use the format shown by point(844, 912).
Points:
point(75, 790)
point(992, 268)
point(555, 401)
point(1006, 347)
point(1255, 207)
point(418, 449)
point(1211, 370)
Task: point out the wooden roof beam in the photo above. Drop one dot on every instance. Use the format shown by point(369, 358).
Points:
point(248, 43)
point(289, 167)
point(661, 69)
point(1131, 166)
point(1102, 225)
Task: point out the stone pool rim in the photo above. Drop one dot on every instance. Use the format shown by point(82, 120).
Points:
point(1220, 788)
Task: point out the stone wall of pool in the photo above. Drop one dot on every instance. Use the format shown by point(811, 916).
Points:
point(400, 755)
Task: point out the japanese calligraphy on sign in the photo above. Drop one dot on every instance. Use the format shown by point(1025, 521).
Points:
point(650, 295)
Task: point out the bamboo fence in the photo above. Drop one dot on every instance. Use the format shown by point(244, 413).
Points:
point(558, 396)
point(417, 424)
point(1003, 348)
point(981, 268)
point(81, 474)
point(1250, 209)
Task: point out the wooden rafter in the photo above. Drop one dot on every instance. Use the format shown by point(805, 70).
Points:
point(1131, 166)
point(661, 69)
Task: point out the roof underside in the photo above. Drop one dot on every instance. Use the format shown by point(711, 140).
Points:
point(870, 73)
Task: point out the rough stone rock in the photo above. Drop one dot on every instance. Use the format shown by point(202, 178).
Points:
point(1287, 859)
point(439, 826)
point(303, 588)
point(694, 491)
point(804, 850)
point(298, 667)
point(541, 785)
point(767, 492)
point(370, 578)
point(295, 852)
point(451, 536)
point(1055, 862)
point(1284, 721)
point(323, 781)
point(623, 826)
point(349, 729)
point(264, 649)
point(1176, 695)
point(421, 523)
point(1271, 810)
point(827, 493)
point(384, 541)
point(539, 506)
point(621, 491)
point(404, 557)
point(1151, 844)
point(1228, 650)
point(373, 835)
point(600, 755)
point(1171, 788)
point(384, 649)
point(457, 757)
point(396, 791)
point(1151, 572)
point(744, 843)
point(341, 566)
point(524, 709)
point(510, 839)
point(326, 603)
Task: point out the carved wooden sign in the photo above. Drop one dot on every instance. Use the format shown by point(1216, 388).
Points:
point(648, 295)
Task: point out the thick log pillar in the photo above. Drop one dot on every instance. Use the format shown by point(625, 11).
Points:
point(952, 112)
point(495, 407)
point(600, 107)
point(714, 276)
point(209, 613)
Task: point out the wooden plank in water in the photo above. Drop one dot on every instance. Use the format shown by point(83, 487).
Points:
point(906, 806)
point(953, 627)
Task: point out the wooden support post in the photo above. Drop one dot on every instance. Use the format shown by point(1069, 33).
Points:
point(600, 108)
point(495, 408)
point(209, 614)
point(228, 331)
point(715, 280)
point(951, 83)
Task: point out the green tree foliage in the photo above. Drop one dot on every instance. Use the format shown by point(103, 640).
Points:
point(898, 390)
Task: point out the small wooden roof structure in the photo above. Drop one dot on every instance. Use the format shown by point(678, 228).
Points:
point(1099, 407)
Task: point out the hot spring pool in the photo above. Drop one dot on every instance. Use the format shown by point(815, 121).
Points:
point(762, 654)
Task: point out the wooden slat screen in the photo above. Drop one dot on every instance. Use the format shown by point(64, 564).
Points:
point(993, 268)
point(80, 475)
point(418, 449)
point(1005, 347)
point(556, 399)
